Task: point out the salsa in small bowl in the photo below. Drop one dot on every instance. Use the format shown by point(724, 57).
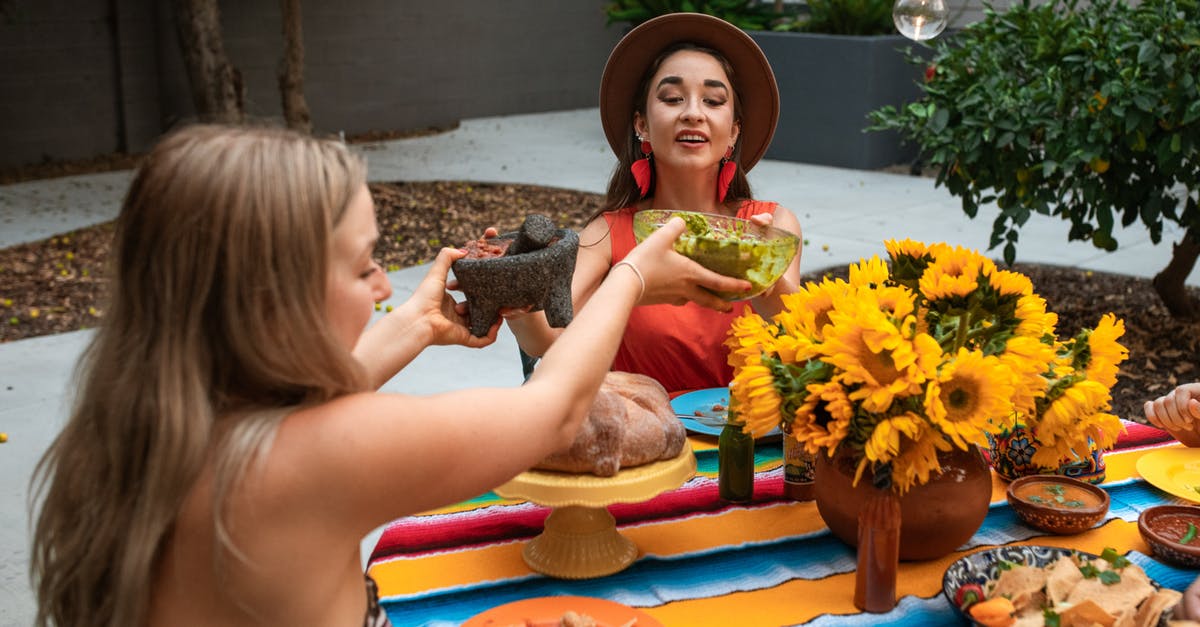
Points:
point(1173, 533)
point(1057, 504)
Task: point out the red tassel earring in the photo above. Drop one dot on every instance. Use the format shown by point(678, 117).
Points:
point(728, 169)
point(641, 168)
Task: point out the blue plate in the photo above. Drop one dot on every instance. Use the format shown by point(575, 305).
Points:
point(703, 411)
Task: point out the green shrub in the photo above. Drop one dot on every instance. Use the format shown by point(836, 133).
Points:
point(1089, 113)
point(834, 17)
point(847, 17)
point(745, 14)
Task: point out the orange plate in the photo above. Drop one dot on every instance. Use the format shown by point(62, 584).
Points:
point(548, 610)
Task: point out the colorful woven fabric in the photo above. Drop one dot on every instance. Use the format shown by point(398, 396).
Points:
point(703, 562)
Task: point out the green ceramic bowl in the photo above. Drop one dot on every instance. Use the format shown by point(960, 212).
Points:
point(727, 245)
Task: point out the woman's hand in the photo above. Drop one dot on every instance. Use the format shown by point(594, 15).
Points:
point(432, 305)
point(1188, 607)
point(674, 279)
point(1177, 410)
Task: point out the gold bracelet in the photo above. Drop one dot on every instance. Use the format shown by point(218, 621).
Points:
point(641, 278)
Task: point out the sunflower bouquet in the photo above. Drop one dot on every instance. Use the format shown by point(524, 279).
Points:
point(938, 349)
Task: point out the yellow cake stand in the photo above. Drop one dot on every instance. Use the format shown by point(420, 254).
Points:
point(580, 539)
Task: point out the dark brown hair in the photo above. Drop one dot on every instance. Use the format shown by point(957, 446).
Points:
point(622, 189)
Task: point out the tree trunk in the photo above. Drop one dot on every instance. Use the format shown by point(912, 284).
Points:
point(217, 89)
point(291, 70)
point(1170, 282)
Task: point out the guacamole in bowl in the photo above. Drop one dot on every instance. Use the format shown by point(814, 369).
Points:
point(727, 245)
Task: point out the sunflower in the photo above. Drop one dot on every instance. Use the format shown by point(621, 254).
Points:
point(970, 398)
point(806, 311)
point(868, 273)
point(749, 338)
point(896, 302)
point(905, 248)
point(871, 350)
point(1105, 351)
point(1027, 359)
point(918, 460)
point(823, 421)
point(1035, 320)
point(753, 393)
point(1075, 422)
point(885, 440)
point(1008, 283)
point(955, 272)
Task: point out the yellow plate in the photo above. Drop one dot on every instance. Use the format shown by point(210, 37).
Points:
point(1174, 470)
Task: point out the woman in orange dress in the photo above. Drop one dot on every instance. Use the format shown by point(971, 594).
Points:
point(689, 104)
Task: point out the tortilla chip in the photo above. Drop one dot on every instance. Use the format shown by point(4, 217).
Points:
point(1150, 611)
point(1032, 617)
point(1123, 596)
point(1085, 614)
point(1061, 578)
point(1020, 584)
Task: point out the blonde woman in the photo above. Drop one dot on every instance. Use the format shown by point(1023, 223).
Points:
point(688, 103)
point(225, 455)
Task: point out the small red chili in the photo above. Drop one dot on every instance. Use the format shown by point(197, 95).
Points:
point(968, 594)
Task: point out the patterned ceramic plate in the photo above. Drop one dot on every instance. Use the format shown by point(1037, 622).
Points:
point(982, 567)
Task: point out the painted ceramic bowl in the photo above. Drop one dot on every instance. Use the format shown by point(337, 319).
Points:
point(1057, 504)
point(1173, 533)
point(727, 245)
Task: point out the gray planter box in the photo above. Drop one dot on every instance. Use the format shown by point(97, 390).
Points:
point(827, 85)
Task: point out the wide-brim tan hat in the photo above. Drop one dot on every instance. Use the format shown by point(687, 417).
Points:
point(754, 82)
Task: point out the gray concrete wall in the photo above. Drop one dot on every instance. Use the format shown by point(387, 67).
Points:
point(88, 77)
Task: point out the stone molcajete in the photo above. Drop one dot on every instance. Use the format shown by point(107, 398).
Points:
point(535, 270)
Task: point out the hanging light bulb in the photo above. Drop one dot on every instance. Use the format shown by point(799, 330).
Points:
point(919, 19)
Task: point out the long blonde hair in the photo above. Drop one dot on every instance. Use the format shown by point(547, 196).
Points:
point(217, 316)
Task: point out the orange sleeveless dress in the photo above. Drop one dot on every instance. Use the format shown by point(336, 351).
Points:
point(682, 347)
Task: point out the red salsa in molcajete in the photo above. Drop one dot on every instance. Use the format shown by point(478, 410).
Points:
point(487, 248)
point(1057, 495)
point(1181, 528)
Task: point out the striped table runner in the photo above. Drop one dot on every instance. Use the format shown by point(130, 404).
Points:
point(702, 562)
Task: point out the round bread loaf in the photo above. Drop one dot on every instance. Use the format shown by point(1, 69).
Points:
point(630, 423)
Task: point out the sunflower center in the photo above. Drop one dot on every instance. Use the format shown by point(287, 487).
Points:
point(960, 403)
point(882, 367)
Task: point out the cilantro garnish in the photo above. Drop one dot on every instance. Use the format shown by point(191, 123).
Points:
point(1111, 556)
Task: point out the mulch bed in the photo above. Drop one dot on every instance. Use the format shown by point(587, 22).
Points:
point(56, 285)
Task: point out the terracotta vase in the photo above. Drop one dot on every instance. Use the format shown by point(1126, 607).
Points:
point(1011, 455)
point(936, 517)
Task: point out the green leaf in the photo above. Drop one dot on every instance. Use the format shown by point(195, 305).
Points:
point(1176, 143)
point(1147, 52)
point(939, 120)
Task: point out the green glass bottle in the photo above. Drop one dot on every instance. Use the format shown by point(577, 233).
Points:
point(735, 456)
